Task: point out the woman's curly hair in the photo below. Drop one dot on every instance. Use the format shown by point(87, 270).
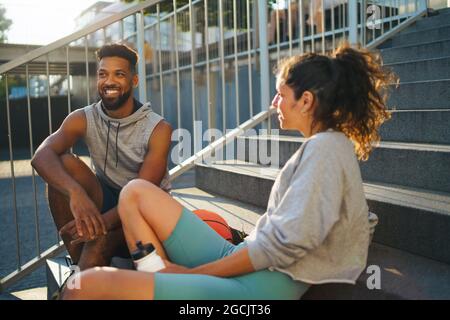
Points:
point(351, 87)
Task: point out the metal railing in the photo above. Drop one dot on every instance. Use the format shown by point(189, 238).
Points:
point(205, 60)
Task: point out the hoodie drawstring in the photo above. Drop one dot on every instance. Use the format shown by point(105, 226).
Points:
point(107, 144)
point(117, 151)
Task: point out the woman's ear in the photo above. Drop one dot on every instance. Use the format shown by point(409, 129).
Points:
point(308, 100)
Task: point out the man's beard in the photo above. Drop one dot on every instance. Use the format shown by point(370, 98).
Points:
point(113, 104)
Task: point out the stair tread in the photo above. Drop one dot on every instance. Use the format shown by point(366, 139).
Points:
point(418, 61)
point(409, 197)
point(383, 144)
point(424, 30)
point(402, 276)
point(421, 81)
point(405, 196)
point(413, 45)
point(239, 215)
point(39, 293)
point(246, 168)
point(419, 110)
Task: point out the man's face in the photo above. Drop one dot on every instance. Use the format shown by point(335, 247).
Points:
point(115, 82)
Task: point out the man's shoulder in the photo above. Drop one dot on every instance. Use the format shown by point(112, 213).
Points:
point(163, 126)
point(161, 131)
point(89, 107)
point(77, 115)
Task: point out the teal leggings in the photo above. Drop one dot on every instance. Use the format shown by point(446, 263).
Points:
point(193, 243)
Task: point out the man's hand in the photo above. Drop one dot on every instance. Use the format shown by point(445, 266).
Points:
point(174, 268)
point(86, 213)
point(70, 230)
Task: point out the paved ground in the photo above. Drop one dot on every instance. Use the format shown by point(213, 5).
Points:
point(29, 210)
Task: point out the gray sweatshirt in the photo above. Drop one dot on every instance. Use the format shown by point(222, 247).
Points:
point(316, 227)
point(118, 146)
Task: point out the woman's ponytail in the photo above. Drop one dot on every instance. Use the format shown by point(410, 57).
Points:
point(362, 90)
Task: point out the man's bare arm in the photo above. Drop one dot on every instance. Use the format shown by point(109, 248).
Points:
point(155, 163)
point(48, 164)
point(47, 161)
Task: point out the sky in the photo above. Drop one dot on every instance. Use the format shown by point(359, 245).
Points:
point(42, 21)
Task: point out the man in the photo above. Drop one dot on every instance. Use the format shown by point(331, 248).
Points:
point(126, 140)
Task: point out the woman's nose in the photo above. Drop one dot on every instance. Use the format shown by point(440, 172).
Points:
point(275, 101)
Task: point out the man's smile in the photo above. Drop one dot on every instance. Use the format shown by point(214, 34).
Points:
point(111, 92)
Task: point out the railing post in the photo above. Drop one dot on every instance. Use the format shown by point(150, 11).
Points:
point(222, 65)
point(141, 52)
point(423, 5)
point(264, 55)
point(353, 22)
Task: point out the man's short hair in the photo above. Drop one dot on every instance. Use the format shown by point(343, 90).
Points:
point(119, 50)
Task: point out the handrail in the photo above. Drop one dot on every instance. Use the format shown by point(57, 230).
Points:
point(378, 41)
point(36, 53)
point(219, 143)
point(31, 265)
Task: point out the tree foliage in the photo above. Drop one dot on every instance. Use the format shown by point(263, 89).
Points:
point(5, 23)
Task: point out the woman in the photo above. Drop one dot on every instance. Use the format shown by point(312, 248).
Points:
point(316, 227)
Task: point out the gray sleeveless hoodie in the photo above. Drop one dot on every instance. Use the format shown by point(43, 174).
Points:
point(118, 146)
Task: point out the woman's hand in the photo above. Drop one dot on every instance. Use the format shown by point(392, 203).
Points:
point(174, 268)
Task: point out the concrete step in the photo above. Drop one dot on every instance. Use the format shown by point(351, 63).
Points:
point(427, 26)
point(57, 269)
point(239, 215)
point(413, 220)
point(432, 94)
point(421, 70)
point(39, 293)
point(403, 276)
point(391, 162)
point(431, 22)
point(418, 126)
point(414, 37)
point(413, 165)
point(425, 50)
